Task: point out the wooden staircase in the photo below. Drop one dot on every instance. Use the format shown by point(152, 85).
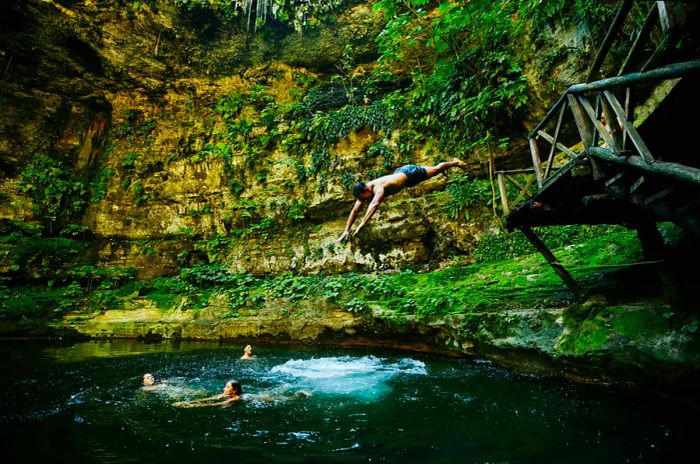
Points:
point(602, 165)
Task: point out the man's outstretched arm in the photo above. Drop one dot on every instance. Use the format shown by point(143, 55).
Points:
point(373, 206)
point(351, 219)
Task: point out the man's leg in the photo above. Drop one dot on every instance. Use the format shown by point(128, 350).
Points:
point(445, 165)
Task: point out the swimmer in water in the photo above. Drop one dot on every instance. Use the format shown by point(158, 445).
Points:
point(247, 352)
point(149, 382)
point(233, 392)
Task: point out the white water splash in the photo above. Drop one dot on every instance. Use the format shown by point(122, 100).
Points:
point(365, 377)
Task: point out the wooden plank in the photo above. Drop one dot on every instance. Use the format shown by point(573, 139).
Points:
point(602, 130)
point(613, 125)
point(609, 38)
point(548, 116)
point(637, 141)
point(517, 171)
point(615, 178)
point(596, 117)
point(514, 181)
point(658, 196)
point(524, 190)
point(535, 153)
point(552, 260)
point(560, 146)
point(583, 124)
point(629, 111)
point(504, 196)
point(554, 142)
point(637, 183)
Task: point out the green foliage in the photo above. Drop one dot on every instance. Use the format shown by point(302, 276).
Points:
point(327, 129)
point(129, 161)
point(74, 230)
point(55, 191)
point(230, 105)
point(464, 194)
point(508, 245)
point(467, 85)
point(93, 275)
point(380, 150)
point(199, 212)
point(138, 192)
point(98, 186)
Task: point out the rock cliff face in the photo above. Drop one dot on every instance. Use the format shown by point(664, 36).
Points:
point(128, 99)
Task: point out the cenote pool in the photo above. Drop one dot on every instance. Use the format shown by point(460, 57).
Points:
point(82, 403)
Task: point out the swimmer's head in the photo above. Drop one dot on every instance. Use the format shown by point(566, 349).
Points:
point(248, 349)
point(233, 388)
point(148, 379)
point(361, 192)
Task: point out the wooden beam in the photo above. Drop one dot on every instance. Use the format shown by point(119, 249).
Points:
point(629, 111)
point(554, 142)
point(613, 125)
point(517, 171)
point(674, 170)
point(615, 178)
point(608, 40)
point(639, 144)
point(637, 183)
point(535, 153)
point(644, 34)
point(583, 124)
point(560, 146)
point(514, 181)
point(524, 190)
point(665, 72)
point(658, 196)
point(504, 196)
point(593, 116)
point(556, 266)
point(548, 116)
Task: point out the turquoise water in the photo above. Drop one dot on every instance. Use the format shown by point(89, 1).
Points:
point(82, 403)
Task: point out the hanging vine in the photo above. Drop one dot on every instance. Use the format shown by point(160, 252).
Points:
point(297, 14)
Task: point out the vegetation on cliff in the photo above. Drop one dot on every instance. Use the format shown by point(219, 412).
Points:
point(200, 153)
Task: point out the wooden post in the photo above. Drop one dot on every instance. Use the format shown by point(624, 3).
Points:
point(504, 196)
point(550, 158)
point(630, 130)
point(654, 250)
point(563, 274)
point(583, 124)
point(535, 153)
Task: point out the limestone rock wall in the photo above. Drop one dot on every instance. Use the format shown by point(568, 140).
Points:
point(128, 97)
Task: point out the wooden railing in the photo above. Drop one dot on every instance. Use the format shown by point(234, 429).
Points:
point(599, 114)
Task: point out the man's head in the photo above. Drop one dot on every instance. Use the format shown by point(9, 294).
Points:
point(233, 388)
point(148, 379)
point(361, 191)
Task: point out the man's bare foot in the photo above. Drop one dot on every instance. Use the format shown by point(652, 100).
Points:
point(460, 163)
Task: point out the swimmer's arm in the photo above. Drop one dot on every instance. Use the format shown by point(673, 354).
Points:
point(209, 401)
point(373, 206)
point(351, 219)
